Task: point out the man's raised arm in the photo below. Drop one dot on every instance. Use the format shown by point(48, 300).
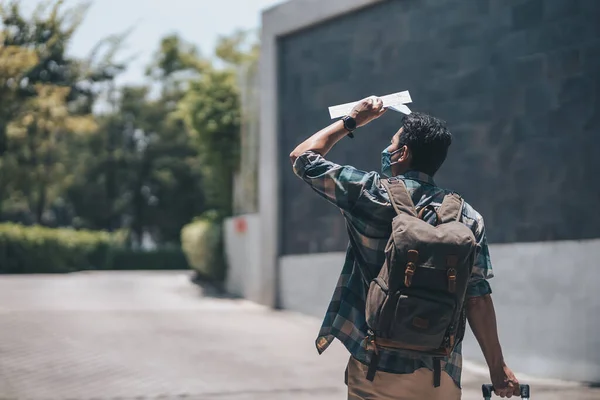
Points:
point(323, 141)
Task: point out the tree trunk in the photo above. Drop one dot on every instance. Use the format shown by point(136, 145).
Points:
point(3, 139)
point(111, 183)
point(41, 203)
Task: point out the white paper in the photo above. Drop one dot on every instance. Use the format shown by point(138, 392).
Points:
point(394, 101)
point(401, 108)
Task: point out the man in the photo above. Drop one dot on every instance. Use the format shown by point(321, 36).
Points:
point(415, 154)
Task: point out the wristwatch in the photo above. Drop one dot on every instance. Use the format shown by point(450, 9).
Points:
point(349, 125)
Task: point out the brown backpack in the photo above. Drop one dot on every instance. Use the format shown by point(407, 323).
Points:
point(415, 305)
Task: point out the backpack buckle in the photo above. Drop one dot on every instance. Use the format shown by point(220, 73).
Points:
point(408, 273)
point(413, 257)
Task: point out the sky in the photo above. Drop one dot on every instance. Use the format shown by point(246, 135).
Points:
point(197, 21)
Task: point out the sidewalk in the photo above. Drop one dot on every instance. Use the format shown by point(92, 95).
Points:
point(156, 336)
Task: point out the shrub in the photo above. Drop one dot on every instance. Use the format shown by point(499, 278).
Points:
point(202, 243)
point(44, 250)
point(36, 249)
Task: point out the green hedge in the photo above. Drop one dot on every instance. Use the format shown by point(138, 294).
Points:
point(36, 249)
point(44, 250)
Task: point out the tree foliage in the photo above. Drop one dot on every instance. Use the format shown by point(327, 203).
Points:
point(36, 118)
point(157, 155)
point(211, 112)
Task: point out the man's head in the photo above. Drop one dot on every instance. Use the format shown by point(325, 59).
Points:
point(421, 144)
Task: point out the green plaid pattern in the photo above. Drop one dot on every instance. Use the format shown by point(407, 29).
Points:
point(368, 214)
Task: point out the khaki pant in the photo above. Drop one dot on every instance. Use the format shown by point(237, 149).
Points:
point(415, 386)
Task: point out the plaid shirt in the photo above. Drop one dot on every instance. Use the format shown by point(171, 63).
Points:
point(365, 206)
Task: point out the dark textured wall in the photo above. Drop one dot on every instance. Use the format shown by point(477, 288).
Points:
point(518, 82)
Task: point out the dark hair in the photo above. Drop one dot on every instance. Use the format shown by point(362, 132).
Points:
point(428, 139)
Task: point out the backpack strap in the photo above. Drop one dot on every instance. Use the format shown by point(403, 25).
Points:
point(451, 208)
point(437, 372)
point(399, 196)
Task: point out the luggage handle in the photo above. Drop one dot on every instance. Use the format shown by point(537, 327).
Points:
point(489, 389)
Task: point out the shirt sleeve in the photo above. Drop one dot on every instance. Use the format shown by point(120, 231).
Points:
point(482, 270)
point(340, 185)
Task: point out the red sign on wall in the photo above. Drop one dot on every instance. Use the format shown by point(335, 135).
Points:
point(241, 226)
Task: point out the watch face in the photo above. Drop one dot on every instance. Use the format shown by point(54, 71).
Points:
point(350, 123)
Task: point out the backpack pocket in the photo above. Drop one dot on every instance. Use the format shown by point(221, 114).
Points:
point(421, 323)
point(377, 298)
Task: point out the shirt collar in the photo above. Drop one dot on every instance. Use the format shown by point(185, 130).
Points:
point(419, 176)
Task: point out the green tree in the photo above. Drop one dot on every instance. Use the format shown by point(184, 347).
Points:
point(239, 49)
point(15, 61)
point(145, 172)
point(159, 155)
point(45, 34)
point(173, 57)
point(46, 100)
point(38, 147)
point(212, 112)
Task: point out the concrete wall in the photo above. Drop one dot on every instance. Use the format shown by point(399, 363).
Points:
point(545, 294)
point(518, 82)
point(245, 275)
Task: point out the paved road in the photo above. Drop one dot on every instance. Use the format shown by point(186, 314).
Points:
point(156, 336)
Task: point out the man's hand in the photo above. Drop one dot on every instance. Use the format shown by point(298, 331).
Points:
point(504, 381)
point(367, 110)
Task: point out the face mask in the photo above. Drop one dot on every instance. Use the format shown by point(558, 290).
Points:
point(386, 162)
